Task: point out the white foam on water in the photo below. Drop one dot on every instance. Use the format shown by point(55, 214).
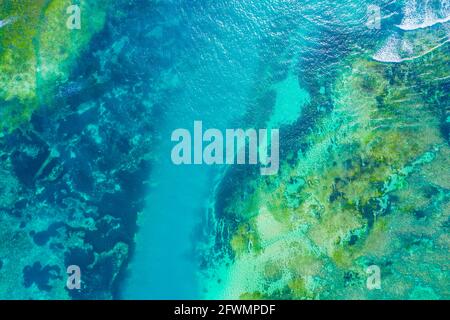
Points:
point(422, 15)
point(425, 24)
point(389, 52)
point(7, 21)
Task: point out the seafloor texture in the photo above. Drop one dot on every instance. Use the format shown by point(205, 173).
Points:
point(367, 184)
point(73, 157)
point(86, 177)
point(364, 181)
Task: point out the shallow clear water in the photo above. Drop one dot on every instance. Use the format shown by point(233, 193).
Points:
point(358, 90)
point(227, 49)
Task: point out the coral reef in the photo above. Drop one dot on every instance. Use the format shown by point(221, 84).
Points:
point(74, 156)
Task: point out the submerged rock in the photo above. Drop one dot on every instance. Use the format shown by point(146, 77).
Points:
point(366, 187)
point(75, 153)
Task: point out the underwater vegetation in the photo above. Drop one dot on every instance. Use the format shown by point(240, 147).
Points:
point(74, 158)
point(364, 177)
point(364, 181)
point(38, 52)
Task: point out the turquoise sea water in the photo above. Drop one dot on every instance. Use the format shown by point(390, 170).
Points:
point(358, 90)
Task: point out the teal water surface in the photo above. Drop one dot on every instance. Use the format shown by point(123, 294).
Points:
point(230, 51)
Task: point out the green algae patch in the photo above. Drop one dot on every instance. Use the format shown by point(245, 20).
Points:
point(38, 52)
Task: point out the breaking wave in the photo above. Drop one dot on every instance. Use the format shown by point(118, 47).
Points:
point(424, 14)
point(391, 51)
point(421, 36)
